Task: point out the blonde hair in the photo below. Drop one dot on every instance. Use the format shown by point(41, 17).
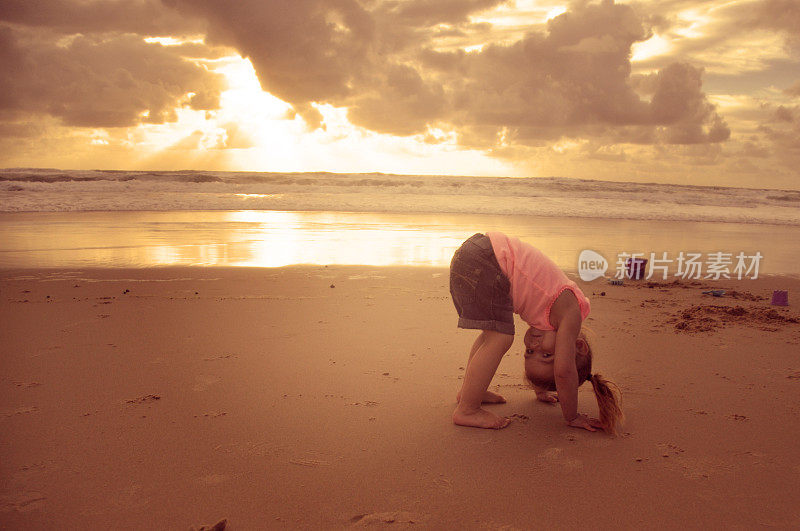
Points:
point(606, 392)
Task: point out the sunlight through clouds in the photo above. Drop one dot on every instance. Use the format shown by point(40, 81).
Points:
point(282, 142)
point(655, 46)
point(483, 87)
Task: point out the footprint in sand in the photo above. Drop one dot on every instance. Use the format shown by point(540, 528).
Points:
point(555, 456)
point(390, 518)
point(204, 382)
point(366, 403)
point(308, 461)
point(27, 385)
point(697, 468)
point(143, 399)
point(213, 414)
point(22, 502)
point(19, 411)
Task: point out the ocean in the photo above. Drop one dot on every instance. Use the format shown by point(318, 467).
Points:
point(70, 218)
point(49, 190)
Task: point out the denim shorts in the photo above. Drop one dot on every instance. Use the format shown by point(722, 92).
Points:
point(480, 289)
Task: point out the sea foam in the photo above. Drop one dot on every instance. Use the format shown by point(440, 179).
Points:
point(51, 190)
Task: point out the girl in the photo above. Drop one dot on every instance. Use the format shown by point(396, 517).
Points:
point(493, 276)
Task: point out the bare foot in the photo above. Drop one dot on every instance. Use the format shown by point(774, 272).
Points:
point(480, 419)
point(488, 398)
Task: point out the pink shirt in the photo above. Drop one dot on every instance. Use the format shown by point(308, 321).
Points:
point(536, 281)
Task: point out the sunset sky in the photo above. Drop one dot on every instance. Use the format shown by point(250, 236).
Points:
point(688, 92)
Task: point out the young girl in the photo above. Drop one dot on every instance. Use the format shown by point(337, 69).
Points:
point(493, 276)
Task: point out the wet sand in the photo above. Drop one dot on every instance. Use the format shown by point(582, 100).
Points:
point(320, 397)
point(276, 239)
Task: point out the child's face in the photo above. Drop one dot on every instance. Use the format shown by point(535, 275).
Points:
point(540, 340)
point(539, 350)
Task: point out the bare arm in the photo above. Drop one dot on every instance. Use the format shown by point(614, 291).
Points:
point(565, 373)
point(565, 316)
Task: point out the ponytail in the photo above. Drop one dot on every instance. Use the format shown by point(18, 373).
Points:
point(608, 402)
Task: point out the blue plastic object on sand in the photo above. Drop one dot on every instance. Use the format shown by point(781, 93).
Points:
point(715, 292)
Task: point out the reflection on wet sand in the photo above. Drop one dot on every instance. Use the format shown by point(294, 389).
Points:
point(278, 238)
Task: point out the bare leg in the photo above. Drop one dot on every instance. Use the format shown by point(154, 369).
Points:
point(478, 376)
point(488, 396)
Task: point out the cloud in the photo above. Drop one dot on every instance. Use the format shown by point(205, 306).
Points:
point(87, 63)
point(783, 15)
point(401, 103)
point(466, 73)
point(390, 63)
point(422, 13)
point(574, 80)
point(794, 90)
point(726, 38)
point(230, 136)
point(20, 130)
point(385, 64)
point(680, 104)
point(304, 51)
point(309, 52)
point(144, 17)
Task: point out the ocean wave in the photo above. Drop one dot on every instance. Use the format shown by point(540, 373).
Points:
point(26, 189)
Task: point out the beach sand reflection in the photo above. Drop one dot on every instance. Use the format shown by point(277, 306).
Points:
point(278, 238)
point(284, 238)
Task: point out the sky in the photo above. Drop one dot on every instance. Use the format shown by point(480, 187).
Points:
point(669, 91)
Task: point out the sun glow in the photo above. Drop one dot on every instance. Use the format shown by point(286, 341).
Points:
point(171, 41)
point(554, 12)
point(253, 130)
point(655, 46)
point(566, 144)
point(521, 13)
point(693, 23)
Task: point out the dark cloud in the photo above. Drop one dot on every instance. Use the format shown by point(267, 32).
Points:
point(575, 81)
point(754, 149)
point(87, 63)
point(342, 52)
point(680, 104)
point(304, 51)
point(144, 17)
point(399, 67)
point(794, 90)
point(20, 129)
point(423, 13)
point(781, 15)
point(400, 103)
point(383, 61)
point(99, 80)
point(574, 74)
point(784, 114)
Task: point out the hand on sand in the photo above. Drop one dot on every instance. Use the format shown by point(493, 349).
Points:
point(480, 418)
point(488, 398)
point(587, 423)
point(550, 398)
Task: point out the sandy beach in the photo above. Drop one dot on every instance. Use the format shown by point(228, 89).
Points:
point(225, 237)
point(320, 397)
